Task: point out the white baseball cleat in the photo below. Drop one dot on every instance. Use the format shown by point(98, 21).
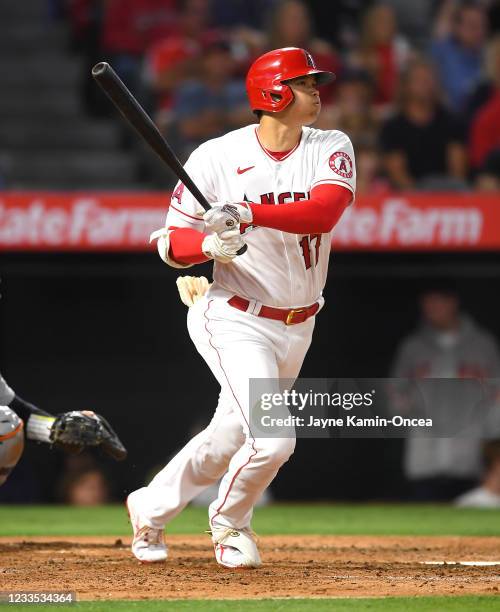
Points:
point(148, 544)
point(235, 548)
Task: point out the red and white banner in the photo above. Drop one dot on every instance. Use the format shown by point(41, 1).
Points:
point(124, 221)
point(80, 221)
point(416, 222)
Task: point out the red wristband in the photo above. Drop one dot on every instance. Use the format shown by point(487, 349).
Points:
point(186, 245)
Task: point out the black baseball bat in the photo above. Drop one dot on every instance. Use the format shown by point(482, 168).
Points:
point(136, 116)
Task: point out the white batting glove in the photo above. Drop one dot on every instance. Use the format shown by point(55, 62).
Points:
point(224, 247)
point(223, 216)
point(192, 288)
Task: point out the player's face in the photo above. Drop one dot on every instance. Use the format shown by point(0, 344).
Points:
point(306, 105)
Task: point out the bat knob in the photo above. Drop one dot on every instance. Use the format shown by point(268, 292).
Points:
point(99, 69)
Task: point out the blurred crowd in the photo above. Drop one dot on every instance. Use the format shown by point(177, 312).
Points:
point(417, 88)
point(448, 344)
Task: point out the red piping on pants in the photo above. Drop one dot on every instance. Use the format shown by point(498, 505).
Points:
point(242, 413)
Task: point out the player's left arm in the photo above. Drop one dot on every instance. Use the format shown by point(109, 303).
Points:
point(24, 409)
point(21, 407)
point(333, 189)
point(318, 215)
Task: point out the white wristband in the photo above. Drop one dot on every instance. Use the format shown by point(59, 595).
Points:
point(39, 427)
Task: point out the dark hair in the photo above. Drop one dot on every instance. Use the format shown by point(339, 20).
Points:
point(258, 114)
point(441, 285)
point(491, 452)
point(467, 5)
point(274, 21)
point(407, 73)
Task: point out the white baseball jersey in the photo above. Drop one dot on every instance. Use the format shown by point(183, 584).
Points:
point(279, 269)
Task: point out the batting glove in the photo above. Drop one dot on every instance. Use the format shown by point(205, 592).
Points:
point(192, 288)
point(223, 216)
point(224, 247)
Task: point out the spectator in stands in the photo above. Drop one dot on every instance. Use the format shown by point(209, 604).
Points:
point(86, 22)
point(129, 26)
point(485, 131)
point(238, 13)
point(487, 494)
point(447, 345)
point(485, 126)
point(370, 179)
point(82, 482)
point(458, 51)
point(291, 25)
point(342, 30)
point(422, 142)
point(383, 53)
point(488, 176)
point(494, 15)
point(243, 23)
point(413, 19)
point(174, 59)
point(87, 487)
point(489, 85)
point(353, 114)
point(215, 103)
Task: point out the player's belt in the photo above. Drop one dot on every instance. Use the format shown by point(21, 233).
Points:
point(289, 316)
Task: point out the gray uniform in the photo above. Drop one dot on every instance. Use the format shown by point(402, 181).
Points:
point(11, 433)
point(6, 393)
point(16, 418)
point(469, 352)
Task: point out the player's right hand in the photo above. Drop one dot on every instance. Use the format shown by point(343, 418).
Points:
point(223, 247)
point(222, 217)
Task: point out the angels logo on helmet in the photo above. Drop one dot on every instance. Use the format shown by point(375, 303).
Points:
point(309, 59)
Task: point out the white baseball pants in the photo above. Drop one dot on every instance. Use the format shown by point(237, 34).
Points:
point(237, 346)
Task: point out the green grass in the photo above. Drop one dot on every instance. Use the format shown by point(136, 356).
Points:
point(348, 519)
point(425, 604)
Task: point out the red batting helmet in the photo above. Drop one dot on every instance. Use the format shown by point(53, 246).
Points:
point(266, 79)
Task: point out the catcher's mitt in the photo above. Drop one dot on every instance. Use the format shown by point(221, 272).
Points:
point(74, 431)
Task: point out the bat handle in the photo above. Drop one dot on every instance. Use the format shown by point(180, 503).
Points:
point(242, 250)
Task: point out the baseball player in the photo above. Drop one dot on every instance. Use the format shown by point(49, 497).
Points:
point(71, 431)
point(279, 187)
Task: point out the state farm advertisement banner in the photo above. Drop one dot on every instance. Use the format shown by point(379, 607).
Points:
point(419, 222)
point(80, 221)
point(124, 221)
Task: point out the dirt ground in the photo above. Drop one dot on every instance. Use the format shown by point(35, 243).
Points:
point(294, 566)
